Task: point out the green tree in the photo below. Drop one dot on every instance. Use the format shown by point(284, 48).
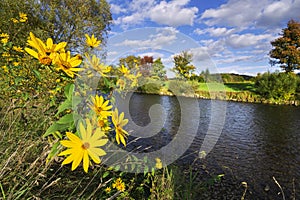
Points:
point(286, 51)
point(130, 61)
point(62, 20)
point(158, 69)
point(183, 67)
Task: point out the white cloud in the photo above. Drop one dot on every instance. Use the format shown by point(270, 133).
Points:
point(246, 40)
point(234, 13)
point(116, 9)
point(164, 36)
point(173, 13)
point(244, 70)
point(133, 19)
point(141, 5)
point(235, 58)
point(279, 11)
point(248, 13)
point(155, 55)
point(215, 32)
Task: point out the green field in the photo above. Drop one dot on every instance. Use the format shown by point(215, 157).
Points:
point(228, 87)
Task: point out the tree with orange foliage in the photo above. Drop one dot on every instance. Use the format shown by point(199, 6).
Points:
point(286, 51)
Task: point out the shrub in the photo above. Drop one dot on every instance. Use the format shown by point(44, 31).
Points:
point(178, 87)
point(151, 86)
point(277, 86)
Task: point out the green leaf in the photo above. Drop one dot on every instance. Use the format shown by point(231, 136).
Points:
point(117, 167)
point(54, 150)
point(37, 74)
point(67, 119)
point(146, 169)
point(69, 89)
point(105, 174)
point(55, 127)
point(67, 104)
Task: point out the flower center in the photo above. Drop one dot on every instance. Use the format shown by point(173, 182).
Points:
point(65, 65)
point(85, 145)
point(99, 110)
point(101, 123)
point(45, 60)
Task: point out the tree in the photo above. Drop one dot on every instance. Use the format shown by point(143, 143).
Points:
point(130, 61)
point(61, 20)
point(286, 51)
point(182, 67)
point(146, 65)
point(158, 69)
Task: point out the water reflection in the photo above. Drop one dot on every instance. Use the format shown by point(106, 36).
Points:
point(257, 141)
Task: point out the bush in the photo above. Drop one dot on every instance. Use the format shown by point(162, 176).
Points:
point(151, 86)
point(179, 87)
point(277, 86)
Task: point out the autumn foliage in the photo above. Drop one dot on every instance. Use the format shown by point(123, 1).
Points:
point(286, 51)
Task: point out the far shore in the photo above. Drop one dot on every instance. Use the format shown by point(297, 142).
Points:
point(245, 97)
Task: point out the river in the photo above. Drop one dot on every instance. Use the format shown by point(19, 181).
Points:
point(256, 142)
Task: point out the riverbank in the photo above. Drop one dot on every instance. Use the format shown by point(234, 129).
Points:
point(237, 92)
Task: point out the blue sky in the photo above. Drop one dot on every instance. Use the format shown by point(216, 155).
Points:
point(230, 36)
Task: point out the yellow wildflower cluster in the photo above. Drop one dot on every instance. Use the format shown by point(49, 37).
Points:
point(22, 18)
point(95, 64)
point(54, 54)
point(119, 185)
point(4, 38)
point(84, 145)
point(128, 78)
point(102, 109)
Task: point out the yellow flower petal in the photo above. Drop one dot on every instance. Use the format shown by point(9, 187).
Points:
point(97, 151)
point(32, 53)
point(85, 161)
point(77, 159)
point(94, 156)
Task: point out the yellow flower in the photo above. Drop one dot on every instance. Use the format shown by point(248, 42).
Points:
point(68, 64)
point(101, 107)
point(18, 49)
point(94, 62)
point(5, 68)
point(16, 64)
point(23, 17)
point(4, 35)
point(46, 53)
point(92, 41)
point(108, 190)
point(121, 84)
point(119, 185)
point(124, 70)
point(14, 20)
point(4, 40)
point(5, 54)
point(103, 124)
point(119, 122)
point(84, 148)
point(158, 163)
